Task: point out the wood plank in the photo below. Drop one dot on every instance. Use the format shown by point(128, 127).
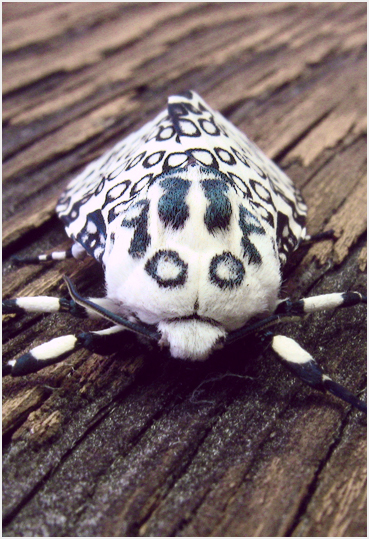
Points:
point(136, 443)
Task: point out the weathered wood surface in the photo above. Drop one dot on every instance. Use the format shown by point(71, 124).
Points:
point(137, 443)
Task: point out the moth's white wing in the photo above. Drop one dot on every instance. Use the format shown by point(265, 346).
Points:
point(188, 130)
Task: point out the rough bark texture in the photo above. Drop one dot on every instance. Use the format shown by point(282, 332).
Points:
point(138, 444)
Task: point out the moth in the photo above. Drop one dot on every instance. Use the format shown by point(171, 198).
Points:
point(192, 225)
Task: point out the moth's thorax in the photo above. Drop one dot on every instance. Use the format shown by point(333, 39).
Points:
point(191, 246)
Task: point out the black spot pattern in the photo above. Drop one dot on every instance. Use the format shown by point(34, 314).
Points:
point(262, 192)
point(141, 184)
point(262, 212)
point(245, 158)
point(167, 269)
point(93, 235)
point(141, 237)
point(172, 208)
point(186, 128)
point(100, 186)
point(218, 212)
point(286, 240)
point(249, 224)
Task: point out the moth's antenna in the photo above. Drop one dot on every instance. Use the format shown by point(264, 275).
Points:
point(109, 315)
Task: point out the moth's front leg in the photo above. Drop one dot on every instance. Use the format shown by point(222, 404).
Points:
point(103, 342)
point(47, 304)
point(304, 366)
point(319, 303)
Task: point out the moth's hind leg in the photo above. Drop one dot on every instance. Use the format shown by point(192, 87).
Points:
point(76, 251)
point(327, 235)
point(103, 342)
point(303, 365)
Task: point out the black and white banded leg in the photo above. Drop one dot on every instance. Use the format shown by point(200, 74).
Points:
point(103, 342)
point(327, 235)
point(76, 251)
point(48, 304)
point(300, 362)
point(319, 303)
point(303, 365)
point(288, 310)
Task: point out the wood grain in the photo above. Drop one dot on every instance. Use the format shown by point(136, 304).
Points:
point(137, 444)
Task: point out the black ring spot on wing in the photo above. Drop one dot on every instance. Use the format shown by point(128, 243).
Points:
point(248, 161)
point(100, 186)
point(225, 156)
point(205, 157)
point(140, 184)
point(240, 185)
point(153, 159)
point(209, 126)
point(261, 192)
point(135, 160)
point(165, 132)
point(174, 160)
point(115, 193)
point(187, 128)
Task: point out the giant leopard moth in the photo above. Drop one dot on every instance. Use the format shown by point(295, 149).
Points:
point(192, 225)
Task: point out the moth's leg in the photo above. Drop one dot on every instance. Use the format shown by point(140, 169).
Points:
point(303, 365)
point(319, 303)
point(47, 304)
point(102, 342)
point(327, 235)
point(288, 310)
point(76, 251)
